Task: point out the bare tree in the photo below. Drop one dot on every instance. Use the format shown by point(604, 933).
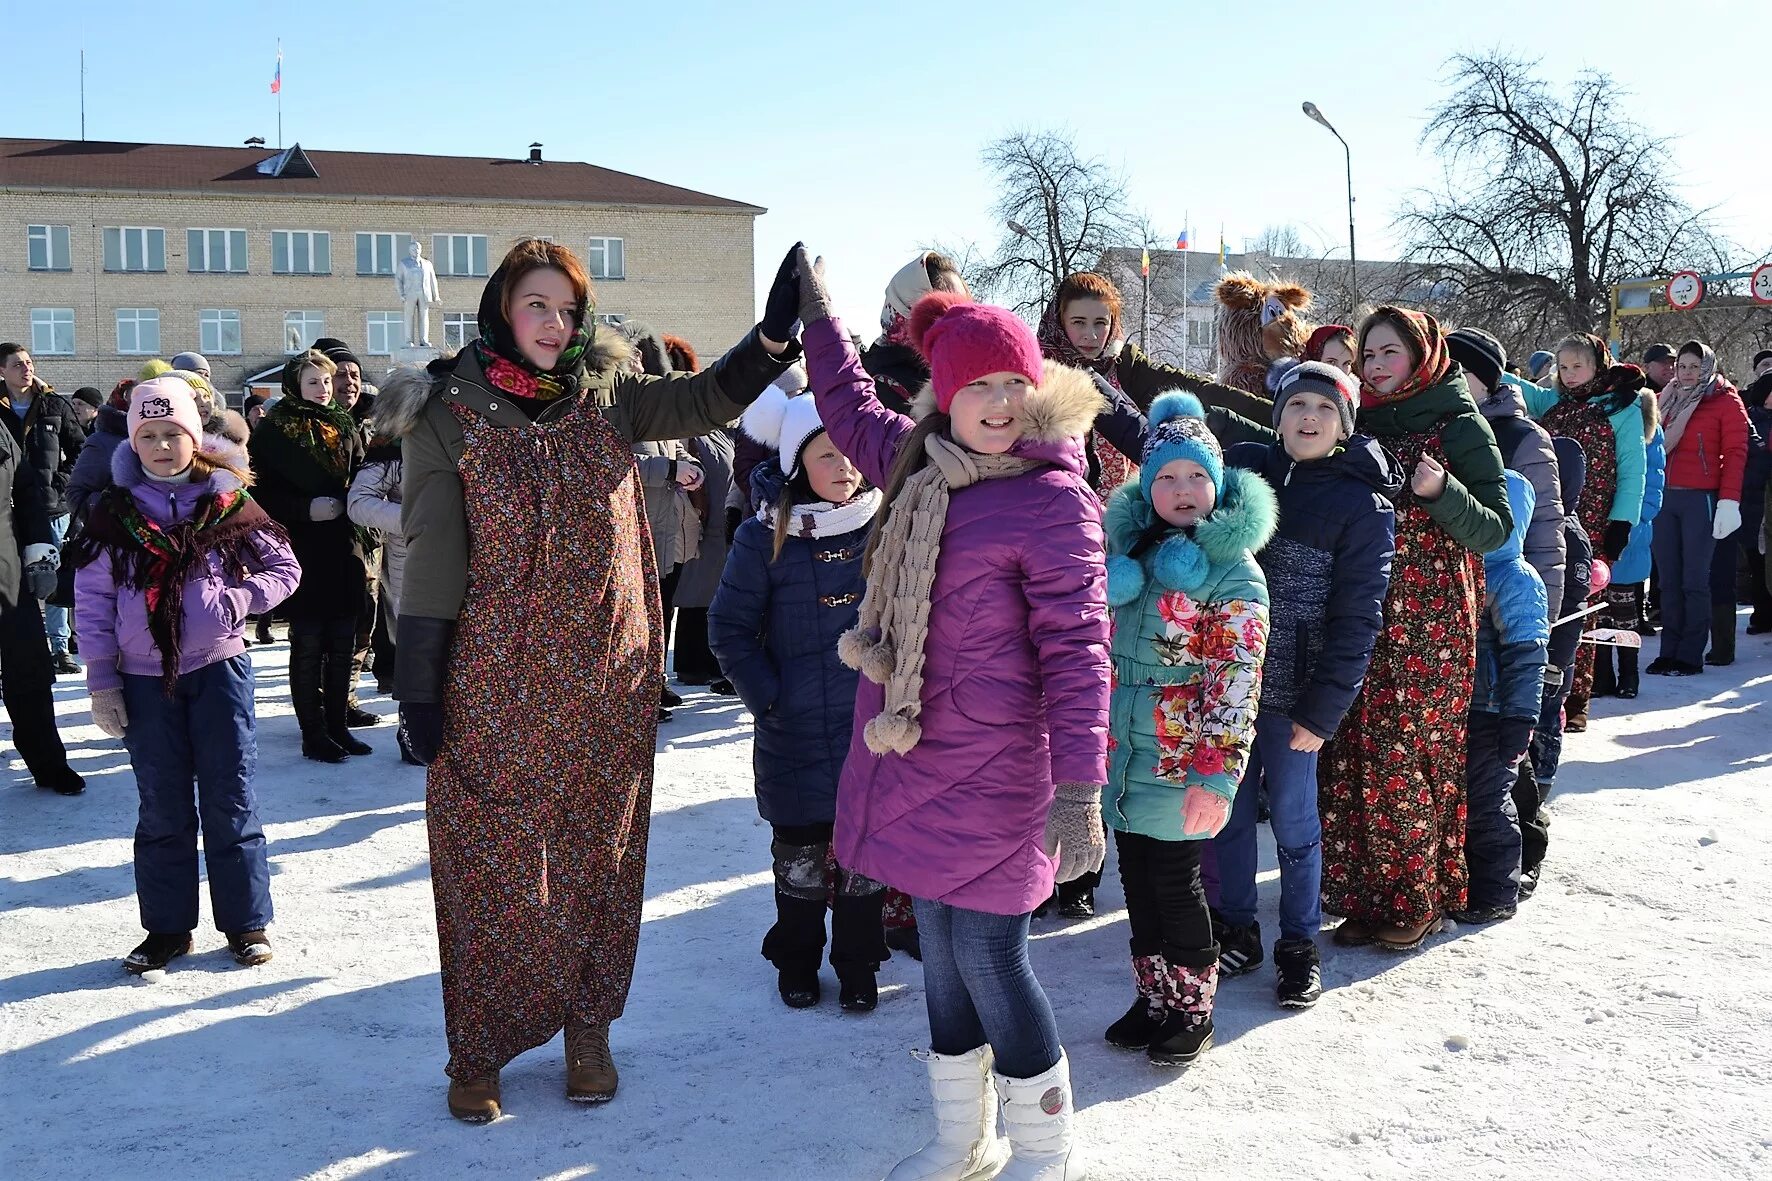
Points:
point(1059, 211)
point(1548, 199)
point(1282, 241)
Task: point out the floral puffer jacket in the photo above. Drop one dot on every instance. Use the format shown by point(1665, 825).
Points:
point(1190, 618)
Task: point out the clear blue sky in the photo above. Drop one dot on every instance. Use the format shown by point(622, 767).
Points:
point(859, 125)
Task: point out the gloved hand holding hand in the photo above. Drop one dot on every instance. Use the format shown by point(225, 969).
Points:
point(40, 572)
point(1073, 830)
point(108, 713)
point(1514, 738)
point(1203, 813)
point(1613, 540)
point(815, 297)
point(42, 551)
point(1728, 519)
point(423, 721)
point(781, 306)
point(326, 508)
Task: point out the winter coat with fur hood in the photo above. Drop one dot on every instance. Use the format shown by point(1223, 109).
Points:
point(1190, 629)
point(112, 617)
point(1513, 632)
point(1015, 680)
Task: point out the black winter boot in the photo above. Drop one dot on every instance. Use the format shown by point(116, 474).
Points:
point(1239, 949)
point(1722, 636)
point(1628, 682)
point(1135, 1030)
point(858, 946)
point(307, 658)
point(335, 688)
point(794, 945)
point(1186, 1032)
point(1301, 974)
point(1605, 680)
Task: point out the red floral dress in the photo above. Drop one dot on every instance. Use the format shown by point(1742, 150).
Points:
point(1584, 422)
point(1393, 781)
point(538, 805)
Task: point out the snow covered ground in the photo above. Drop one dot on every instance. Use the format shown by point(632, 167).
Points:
point(1622, 1022)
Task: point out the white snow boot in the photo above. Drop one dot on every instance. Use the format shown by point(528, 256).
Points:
point(1039, 1115)
point(966, 1146)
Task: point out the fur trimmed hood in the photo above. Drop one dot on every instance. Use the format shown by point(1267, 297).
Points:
point(1063, 406)
point(400, 402)
point(127, 472)
point(1241, 522)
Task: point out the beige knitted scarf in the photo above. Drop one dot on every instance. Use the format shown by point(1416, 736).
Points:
point(886, 644)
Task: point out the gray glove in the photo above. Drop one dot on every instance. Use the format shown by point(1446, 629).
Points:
point(815, 297)
point(108, 713)
point(1073, 830)
point(41, 578)
point(326, 508)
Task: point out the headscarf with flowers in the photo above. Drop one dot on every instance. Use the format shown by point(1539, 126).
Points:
point(505, 365)
point(1425, 338)
point(1057, 346)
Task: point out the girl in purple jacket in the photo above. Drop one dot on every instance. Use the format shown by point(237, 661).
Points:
point(980, 741)
point(174, 558)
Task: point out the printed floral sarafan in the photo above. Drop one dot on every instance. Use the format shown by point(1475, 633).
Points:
point(1204, 723)
point(1587, 424)
point(1393, 782)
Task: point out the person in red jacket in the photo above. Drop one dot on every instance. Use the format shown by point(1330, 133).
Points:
point(1705, 426)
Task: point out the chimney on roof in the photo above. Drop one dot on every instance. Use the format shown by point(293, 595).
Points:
point(535, 153)
point(257, 141)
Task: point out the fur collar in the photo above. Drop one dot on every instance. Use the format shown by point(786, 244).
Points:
point(403, 395)
point(1063, 406)
point(1242, 522)
point(127, 473)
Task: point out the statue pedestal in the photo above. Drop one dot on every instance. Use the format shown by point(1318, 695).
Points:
point(416, 355)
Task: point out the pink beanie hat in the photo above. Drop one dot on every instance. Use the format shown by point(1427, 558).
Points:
point(165, 399)
point(964, 341)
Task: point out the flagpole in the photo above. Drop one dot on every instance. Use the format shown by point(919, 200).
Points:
point(1187, 332)
point(279, 94)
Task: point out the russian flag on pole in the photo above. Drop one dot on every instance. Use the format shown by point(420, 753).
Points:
point(277, 78)
point(1181, 242)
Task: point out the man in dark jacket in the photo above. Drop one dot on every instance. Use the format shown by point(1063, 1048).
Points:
point(47, 430)
point(27, 550)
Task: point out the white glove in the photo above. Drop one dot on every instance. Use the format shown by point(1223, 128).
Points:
point(1728, 519)
point(42, 552)
point(326, 508)
point(108, 713)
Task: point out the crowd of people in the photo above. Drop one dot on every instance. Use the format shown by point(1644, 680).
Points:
point(989, 593)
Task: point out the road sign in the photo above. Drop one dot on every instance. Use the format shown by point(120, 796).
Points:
point(1685, 290)
point(1760, 286)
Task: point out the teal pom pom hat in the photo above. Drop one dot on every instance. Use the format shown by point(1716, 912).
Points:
point(1178, 430)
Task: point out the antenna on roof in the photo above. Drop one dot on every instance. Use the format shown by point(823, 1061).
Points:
point(257, 141)
point(535, 153)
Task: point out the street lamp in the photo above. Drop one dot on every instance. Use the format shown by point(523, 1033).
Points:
point(1316, 116)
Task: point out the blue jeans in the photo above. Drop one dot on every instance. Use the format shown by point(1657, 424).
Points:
point(204, 733)
point(980, 988)
point(1298, 833)
point(55, 619)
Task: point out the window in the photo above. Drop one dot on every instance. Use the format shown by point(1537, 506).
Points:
point(301, 252)
point(218, 332)
point(134, 248)
point(379, 254)
point(301, 330)
point(606, 259)
point(387, 332)
point(138, 330)
point(49, 249)
point(216, 250)
point(459, 254)
point(459, 328)
point(52, 331)
point(1201, 334)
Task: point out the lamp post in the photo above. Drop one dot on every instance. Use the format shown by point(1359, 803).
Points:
point(1316, 116)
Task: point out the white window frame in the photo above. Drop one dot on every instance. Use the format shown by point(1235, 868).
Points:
point(459, 328)
point(313, 327)
point(447, 251)
point(46, 236)
point(390, 327)
point(148, 236)
point(48, 320)
point(597, 258)
point(137, 318)
point(212, 325)
point(397, 244)
point(313, 238)
point(199, 250)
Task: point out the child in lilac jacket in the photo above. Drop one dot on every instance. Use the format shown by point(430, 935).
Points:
point(174, 557)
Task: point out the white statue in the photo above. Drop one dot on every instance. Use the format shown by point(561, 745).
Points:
point(415, 279)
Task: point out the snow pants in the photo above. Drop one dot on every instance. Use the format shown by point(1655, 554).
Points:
point(1492, 825)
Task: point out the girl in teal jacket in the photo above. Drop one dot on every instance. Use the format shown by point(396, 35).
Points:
point(1190, 629)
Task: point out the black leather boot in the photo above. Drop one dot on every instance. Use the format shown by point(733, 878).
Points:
point(307, 656)
point(336, 692)
point(858, 946)
point(1722, 635)
point(1627, 673)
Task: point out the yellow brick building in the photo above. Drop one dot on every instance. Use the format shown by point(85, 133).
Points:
point(112, 253)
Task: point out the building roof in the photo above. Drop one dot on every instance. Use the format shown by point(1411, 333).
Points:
point(183, 168)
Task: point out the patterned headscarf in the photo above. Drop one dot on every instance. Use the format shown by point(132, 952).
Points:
point(506, 366)
point(1057, 346)
point(1422, 333)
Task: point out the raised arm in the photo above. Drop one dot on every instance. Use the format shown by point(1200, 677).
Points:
point(1144, 379)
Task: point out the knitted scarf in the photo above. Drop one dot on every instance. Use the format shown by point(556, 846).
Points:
point(821, 518)
point(157, 559)
point(1678, 401)
point(1423, 334)
point(886, 645)
point(505, 365)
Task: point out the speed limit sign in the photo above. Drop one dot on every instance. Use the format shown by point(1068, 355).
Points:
point(1761, 286)
point(1685, 290)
